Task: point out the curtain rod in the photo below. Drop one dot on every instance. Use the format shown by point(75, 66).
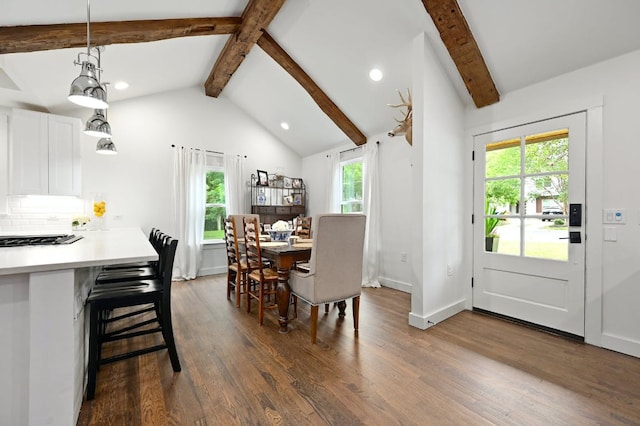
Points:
point(206, 150)
point(353, 149)
point(200, 149)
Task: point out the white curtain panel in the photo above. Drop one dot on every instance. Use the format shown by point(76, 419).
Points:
point(189, 206)
point(234, 184)
point(333, 190)
point(371, 208)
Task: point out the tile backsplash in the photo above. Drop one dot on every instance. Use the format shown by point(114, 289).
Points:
point(40, 213)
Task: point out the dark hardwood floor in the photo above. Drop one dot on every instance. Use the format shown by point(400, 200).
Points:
point(470, 369)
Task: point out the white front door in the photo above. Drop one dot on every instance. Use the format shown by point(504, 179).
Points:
point(529, 182)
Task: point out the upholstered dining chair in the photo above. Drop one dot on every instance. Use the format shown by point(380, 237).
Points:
point(335, 267)
point(261, 280)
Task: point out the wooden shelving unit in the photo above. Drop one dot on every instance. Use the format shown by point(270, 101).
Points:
point(283, 199)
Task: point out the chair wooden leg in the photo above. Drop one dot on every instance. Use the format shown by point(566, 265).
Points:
point(356, 312)
point(295, 305)
point(261, 304)
point(238, 288)
point(229, 278)
point(249, 296)
point(342, 306)
point(326, 308)
point(314, 323)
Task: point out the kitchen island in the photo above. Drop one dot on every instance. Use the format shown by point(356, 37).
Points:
point(43, 290)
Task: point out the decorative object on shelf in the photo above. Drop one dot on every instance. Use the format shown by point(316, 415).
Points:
point(263, 178)
point(79, 223)
point(297, 199)
point(296, 183)
point(288, 183)
point(287, 200)
point(261, 198)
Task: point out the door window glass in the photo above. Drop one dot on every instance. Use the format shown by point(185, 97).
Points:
point(526, 195)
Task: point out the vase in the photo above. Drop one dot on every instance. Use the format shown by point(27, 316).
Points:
point(99, 207)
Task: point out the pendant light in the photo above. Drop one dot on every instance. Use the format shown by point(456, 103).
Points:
point(106, 146)
point(86, 89)
point(97, 125)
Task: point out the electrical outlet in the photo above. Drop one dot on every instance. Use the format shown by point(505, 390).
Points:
point(449, 270)
point(403, 256)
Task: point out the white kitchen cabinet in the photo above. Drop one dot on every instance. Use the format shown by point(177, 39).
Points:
point(44, 154)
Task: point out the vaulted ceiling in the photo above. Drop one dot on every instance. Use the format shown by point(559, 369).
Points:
point(305, 62)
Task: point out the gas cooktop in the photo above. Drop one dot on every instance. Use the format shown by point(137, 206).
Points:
point(38, 240)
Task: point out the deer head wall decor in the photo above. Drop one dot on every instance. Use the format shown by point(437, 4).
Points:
point(404, 125)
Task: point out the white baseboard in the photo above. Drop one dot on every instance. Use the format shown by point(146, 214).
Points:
point(212, 271)
point(397, 285)
point(621, 344)
point(424, 322)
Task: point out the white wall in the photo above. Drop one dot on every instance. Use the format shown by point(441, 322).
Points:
point(395, 192)
point(423, 196)
point(139, 179)
point(441, 209)
point(138, 182)
point(613, 268)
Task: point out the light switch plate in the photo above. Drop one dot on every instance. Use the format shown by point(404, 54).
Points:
point(610, 234)
point(614, 216)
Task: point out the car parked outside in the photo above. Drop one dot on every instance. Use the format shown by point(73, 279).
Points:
point(551, 212)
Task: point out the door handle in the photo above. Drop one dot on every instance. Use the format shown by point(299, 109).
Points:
point(575, 237)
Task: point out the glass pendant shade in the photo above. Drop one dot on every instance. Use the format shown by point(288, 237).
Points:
point(86, 90)
point(97, 125)
point(106, 146)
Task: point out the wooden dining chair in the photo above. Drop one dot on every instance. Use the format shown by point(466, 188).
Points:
point(303, 227)
point(236, 262)
point(335, 267)
point(261, 280)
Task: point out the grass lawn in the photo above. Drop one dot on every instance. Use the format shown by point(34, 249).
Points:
point(546, 250)
point(214, 235)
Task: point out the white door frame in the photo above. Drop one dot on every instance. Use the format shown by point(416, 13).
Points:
point(593, 105)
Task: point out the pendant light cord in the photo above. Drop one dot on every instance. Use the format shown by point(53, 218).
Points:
point(88, 27)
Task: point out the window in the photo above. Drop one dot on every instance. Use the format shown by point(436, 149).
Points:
point(351, 185)
point(215, 207)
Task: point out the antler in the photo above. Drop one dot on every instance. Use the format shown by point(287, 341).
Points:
point(404, 102)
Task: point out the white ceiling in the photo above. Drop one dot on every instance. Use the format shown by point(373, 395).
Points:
point(335, 41)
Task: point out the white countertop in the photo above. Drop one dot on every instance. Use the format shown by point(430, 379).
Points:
point(95, 249)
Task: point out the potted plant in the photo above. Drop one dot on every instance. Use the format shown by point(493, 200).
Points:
point(490, 237)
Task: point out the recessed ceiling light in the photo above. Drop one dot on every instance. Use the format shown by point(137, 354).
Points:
point(121, 85)
point(375, 74)
point(284, 125)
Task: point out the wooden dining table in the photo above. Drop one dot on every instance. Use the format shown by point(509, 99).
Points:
point(284, 257)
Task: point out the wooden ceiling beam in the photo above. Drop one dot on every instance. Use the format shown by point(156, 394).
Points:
point(273, 49)
point(31, 38)
point(462, 46)
point(256, 16)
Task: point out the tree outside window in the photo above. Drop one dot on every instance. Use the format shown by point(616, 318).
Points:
point(215, 207)
point(351, 201)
